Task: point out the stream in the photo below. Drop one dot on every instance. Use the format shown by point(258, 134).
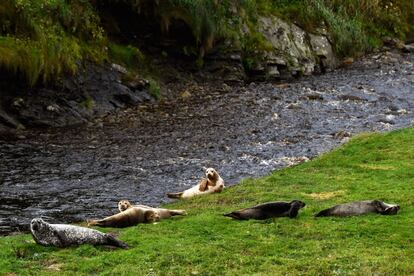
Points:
point(73, 174)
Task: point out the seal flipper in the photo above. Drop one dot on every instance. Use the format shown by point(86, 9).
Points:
point(294, 210)
point(178, 212)
point(324, 213)
point(115, 242)
point(235, 215)
point(175, 195)
point(203, 185)
point(62, 241)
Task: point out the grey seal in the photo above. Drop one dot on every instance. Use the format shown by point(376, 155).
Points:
point(360, 208)
point(64, 235)
point(269, 210)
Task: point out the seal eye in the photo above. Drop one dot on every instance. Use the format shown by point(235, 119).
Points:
point(35, 226)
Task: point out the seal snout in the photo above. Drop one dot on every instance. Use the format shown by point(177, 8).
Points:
point(392, 210)
point(35, 226)
point(299, 203)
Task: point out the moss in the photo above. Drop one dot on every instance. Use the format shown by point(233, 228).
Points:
point(128, 56)
point(154, 88)
point(88, 103)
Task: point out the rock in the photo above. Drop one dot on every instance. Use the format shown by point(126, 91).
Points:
point(137, 83)
point(409, 48)
point(389, 119)
point(351, 98)
point(119, 68)
point(341, 134)
point(185, 94)
point(94, 91)
point(314, 97)
point(18, 103)
point(393, 42)
point(272, 72)
point(53, 108)
point(323, 49)
point(8, 120)
point(225, 87)
point(347, 61)
point(289, 43)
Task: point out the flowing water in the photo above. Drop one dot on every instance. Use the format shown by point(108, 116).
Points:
point(139, 154)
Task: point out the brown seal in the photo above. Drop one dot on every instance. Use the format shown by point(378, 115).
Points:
point(212, 183)
point(269, 210)
point(130, 217)
point(161, 212)
point(360, 208)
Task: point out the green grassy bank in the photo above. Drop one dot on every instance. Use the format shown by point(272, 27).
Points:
point(371, 166)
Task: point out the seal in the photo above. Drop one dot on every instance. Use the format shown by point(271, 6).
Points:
point(269, 210)
point(64, 235)
point(130, 217)
point(161, 212)
point(212, 183)
point(360, 208)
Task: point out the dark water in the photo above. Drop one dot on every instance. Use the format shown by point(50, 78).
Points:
point(140, 154)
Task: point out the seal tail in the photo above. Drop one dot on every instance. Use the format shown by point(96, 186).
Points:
point(175, 195)
point(234, 215)
point(323, 213)
point(115, 242)
point(92, 222)
point(178, 212)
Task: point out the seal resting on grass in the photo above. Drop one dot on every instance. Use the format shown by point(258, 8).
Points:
point(269, 210)
point(130, 217)
point(161, 212)
point(212, 183)
point(64, 235)
point(360, 208)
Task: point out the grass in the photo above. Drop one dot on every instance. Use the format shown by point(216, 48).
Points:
point(370, 166)
point(44, 39)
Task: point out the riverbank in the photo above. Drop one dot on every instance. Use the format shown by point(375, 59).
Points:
point(370, 166)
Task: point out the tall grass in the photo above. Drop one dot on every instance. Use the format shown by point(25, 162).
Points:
point(355, 26)
point(45, 38)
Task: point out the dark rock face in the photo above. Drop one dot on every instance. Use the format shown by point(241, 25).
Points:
point(94, 91)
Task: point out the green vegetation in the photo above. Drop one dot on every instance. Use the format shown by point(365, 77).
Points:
point(355, 26)
point(44, 38)
point(371, 166)
point(128, 56)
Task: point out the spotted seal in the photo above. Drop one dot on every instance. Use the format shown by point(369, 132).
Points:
point(64, 235)
point(130, 217)
point(161, 212)
point(212, 183)
point(269, 210)
point(360, 208)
